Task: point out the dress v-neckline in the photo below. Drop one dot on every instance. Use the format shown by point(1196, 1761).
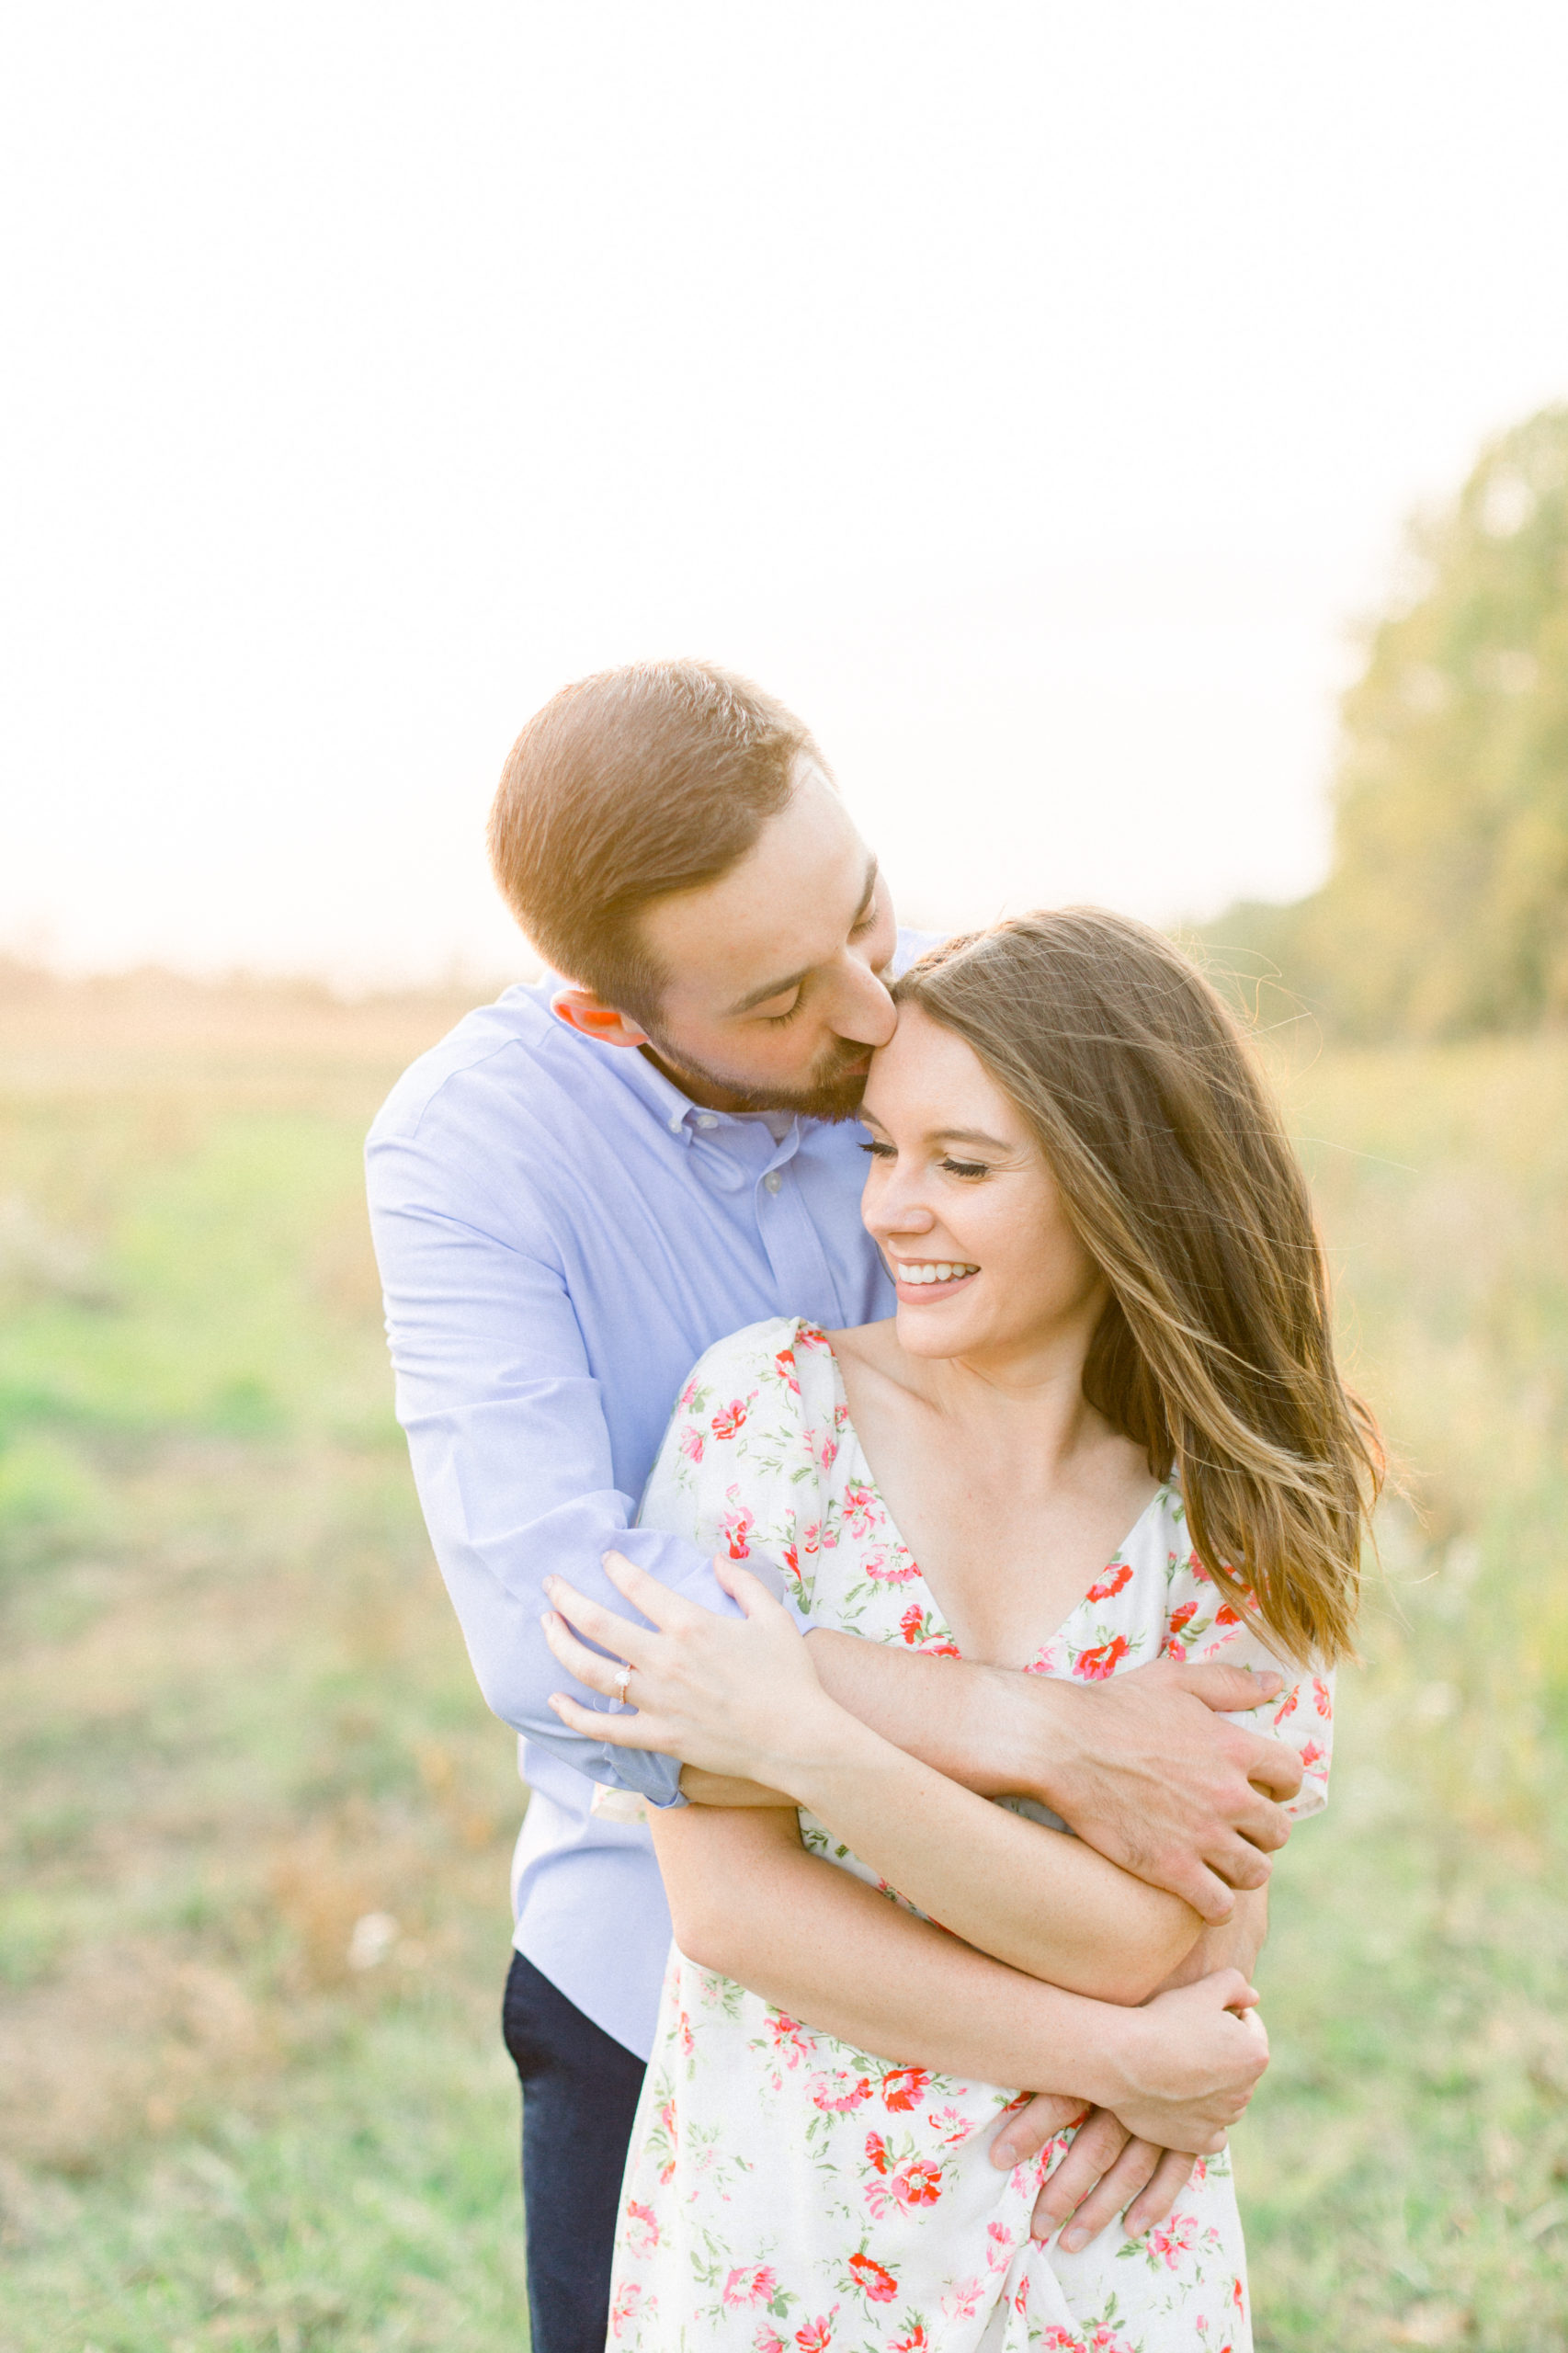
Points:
point(939, 1615)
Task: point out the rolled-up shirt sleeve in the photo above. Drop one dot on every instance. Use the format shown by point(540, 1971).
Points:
point(510, 1448)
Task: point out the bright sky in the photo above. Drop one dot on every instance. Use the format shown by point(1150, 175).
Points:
point(1031, 394)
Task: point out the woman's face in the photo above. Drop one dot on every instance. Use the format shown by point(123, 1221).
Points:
point(965, 1211)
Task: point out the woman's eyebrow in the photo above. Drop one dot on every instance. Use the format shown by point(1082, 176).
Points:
point(967, 1135)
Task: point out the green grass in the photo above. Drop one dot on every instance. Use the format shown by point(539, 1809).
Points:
point(235, 1717)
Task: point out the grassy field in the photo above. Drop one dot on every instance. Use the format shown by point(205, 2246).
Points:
point(237, 1725)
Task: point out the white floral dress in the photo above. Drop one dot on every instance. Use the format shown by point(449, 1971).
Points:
point(786, 2193)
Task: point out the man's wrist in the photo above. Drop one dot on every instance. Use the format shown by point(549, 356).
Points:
point(1015, 1734)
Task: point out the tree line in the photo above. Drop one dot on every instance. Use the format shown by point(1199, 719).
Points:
point(1446, 909)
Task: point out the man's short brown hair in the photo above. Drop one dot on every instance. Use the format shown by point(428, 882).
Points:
point(626, 787)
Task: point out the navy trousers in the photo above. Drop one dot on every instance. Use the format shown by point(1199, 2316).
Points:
point(580, 2090)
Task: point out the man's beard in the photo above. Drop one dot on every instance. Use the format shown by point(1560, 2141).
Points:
point(833, 1092)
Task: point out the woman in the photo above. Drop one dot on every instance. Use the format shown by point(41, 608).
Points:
point(1112, 1317)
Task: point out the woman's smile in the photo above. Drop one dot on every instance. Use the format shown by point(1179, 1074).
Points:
point(925, 1281)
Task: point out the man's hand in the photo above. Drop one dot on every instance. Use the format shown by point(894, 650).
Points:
point(1105, 2169)
point(1145, 1769)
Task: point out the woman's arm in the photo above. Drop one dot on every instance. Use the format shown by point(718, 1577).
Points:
point(1043, 1902)
point(749, 1902)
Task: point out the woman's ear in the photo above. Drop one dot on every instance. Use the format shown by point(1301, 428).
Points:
point(582, 1010)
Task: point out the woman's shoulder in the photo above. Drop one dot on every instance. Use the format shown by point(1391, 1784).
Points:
point(766, 1353)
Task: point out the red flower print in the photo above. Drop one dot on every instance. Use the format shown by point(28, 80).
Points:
point(1289, 1707)
point(750, 2283)
point(916, 2342)
point(1062, 2340)
point(811, 1336)
point(904, 2087)
point(1182, 1617)
point(810, 1537)
point(1227, 1615)
point(817, 2334)
point(730, 1418)
point(737, 1525)
point(642, 2228)
point(692, 1443)
point(940, 1649)
point(790, 2037)
point(1096, 1664)
point(919, 2184)
point(912, 1625)
point(876, 2155)
point(785, 1361)
point(1119, 1577)
point(631, 2303)
point(791, 1562)
point(1312, 1755)
point(875, 2282)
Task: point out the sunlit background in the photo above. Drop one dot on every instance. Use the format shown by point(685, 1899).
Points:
point(1035, 396)
point(1031, 394)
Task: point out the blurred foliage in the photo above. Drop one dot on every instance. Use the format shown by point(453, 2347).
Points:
point(1446, 913)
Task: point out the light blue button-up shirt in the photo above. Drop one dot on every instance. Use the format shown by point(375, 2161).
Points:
point(561, 1232)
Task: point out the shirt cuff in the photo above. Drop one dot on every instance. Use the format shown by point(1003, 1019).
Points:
point(656, 1778)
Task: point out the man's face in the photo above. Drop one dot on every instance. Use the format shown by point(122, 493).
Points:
point(774, 1000)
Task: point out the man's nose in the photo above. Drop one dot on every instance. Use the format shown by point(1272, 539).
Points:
point(864, 1013)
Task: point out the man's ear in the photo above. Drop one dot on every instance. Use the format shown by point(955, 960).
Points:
point(581, 1009)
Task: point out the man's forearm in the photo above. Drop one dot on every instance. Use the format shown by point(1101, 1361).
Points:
point(962, 1720)
point(831, 1951)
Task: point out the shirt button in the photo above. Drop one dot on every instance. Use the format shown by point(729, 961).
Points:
point(707, 1120)
point(773, 1180)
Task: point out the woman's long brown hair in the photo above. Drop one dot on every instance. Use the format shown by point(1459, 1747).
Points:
point(1215, 1351)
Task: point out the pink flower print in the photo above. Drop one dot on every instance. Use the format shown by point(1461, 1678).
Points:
point(642, 2228)
point(817, 2334)
point(1196, 1568)
point(1288, 1709)
point(729, 1419)
point(1119, 1576)
point(768, 2340)
point(692, 1442)
point(1177, 2239)
point(631, 2303)
point(1096, 1664)
point(876, 2154)
point(1182, 1617)
point(912, 1625)
point(811, 1336)
point(860, 1509)
point(785, 1361)
point(950, 2125)
point(919, 2184)
point(962, 2301)
point(1061, 2340)
point(896, 1568)
point(790, 2037)
point(683, 2034)
point(940, 1649)
point(837, 2092)
point(737, 1525)
point(999, 2253)
point(750, 2283)
point(1105, 2340)
point(875, 2282)
point(904, 2087)
point(1321, 1699)
point(1177, 1651)
point(1312, 1755)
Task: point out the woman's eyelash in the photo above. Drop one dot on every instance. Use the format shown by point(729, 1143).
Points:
point(878, 1150)
point(966, 1167)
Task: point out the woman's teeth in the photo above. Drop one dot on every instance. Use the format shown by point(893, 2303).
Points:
point(941, 1272)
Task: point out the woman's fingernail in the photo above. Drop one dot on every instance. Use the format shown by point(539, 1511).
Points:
point(1074, 2240)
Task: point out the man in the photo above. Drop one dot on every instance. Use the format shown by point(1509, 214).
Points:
point(576, 1193)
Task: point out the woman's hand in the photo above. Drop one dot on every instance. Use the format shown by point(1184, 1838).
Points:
point(1107, 2169)
point(1188, 2063)
point(735, 1696)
